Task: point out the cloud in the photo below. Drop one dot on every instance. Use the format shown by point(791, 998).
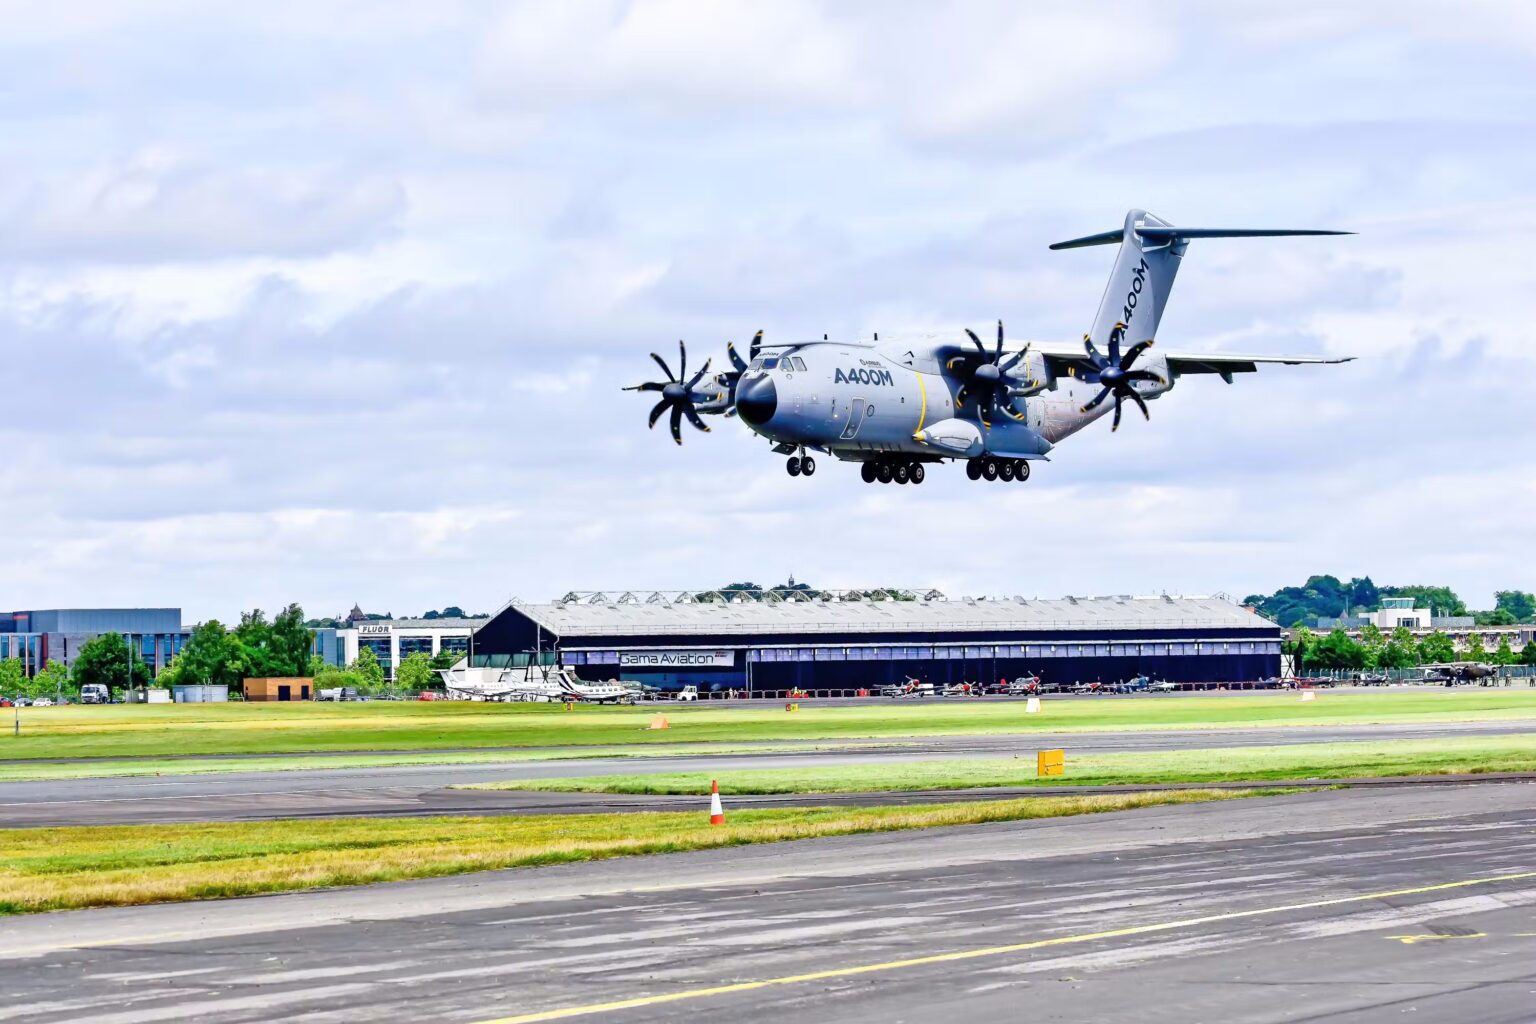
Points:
point(157, 206)
point(292, 318)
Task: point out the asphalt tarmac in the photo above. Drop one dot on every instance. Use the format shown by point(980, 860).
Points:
point(1357, 905)
point(422, 789)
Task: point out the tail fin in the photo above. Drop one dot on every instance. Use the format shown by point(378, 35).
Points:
point(1151, 250)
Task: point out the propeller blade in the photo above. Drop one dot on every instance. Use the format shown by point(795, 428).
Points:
point(1134, 351)
point(677, 423)
point(693, 417)
point(1139, 403)
point(1116, 425)
point(659, 408)
point(1145, 375)
point(998, 357)
point(664, 367)
point(1093, 353)
point(735, 357)
point(1091, 378)
point(682, 359)
point(756, 346)
point(1013, 360)
point(1115, 334)
point(649, 385)
point(1096, 400)
point(699, 376)
point(977, 342)
point(961, 396)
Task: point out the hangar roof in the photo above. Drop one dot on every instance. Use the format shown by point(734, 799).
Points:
point(604, 614)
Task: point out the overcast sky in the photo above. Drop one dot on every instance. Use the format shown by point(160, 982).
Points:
point(332, 302)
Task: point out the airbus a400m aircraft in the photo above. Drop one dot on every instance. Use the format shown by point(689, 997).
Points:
point(898, 409)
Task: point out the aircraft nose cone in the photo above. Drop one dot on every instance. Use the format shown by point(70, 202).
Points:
point(757, 400)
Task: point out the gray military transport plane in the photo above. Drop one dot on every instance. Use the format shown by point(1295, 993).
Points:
point(999, 408)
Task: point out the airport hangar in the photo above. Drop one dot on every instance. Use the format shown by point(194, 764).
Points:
point(773, 640)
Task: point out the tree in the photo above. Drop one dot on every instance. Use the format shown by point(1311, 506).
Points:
point(1437, 649)
point(1401, 651)
point(446, 658)
point(1504, 655)
point(369, 672)
point(213, 655)
point(1373, 643)
point(1299, 647)
point(1528, 654)
point(52, 680)
point(1339, 650)
point(105, 660)
point(289, 643)
point(13, 678)
point(1497, 617)
point(1475, 650)
point(1517, 602)
point(415, 673)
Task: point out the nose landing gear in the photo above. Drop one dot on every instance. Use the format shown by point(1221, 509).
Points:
point(801, 465)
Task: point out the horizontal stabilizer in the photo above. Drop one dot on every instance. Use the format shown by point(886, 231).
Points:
point(1159, 234)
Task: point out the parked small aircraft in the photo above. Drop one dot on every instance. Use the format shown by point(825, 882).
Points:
point(898, 409)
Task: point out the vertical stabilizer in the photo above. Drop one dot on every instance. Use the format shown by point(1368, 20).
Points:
point(1151, 250)
point(1140, 281)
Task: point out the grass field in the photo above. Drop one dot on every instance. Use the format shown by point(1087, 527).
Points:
point(213, 729)
point(1374, 759)
point(68, 868)
point(97, 768)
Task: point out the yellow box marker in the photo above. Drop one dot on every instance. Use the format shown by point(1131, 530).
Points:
point(1051, 762)
point(791, 707)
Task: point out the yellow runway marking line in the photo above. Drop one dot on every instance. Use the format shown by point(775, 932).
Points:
point(972, 954)
point(1410, 940)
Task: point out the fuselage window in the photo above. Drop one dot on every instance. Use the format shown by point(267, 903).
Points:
point(799, 364)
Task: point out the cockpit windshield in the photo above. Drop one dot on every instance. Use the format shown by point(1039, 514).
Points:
point(770, 362)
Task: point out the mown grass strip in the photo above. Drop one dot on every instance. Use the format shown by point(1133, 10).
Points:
point(212, 729)
point(1373, 759)
point(98, 866)
point(91, 768)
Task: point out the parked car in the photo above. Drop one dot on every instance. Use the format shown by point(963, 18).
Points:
point(43, 702)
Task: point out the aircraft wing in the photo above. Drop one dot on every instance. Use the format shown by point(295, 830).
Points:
point(1066, 360)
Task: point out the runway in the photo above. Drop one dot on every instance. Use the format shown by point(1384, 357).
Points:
point(1340, 905)
point(422, 789)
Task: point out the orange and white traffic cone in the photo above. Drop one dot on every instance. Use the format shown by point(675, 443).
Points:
point(716, 812)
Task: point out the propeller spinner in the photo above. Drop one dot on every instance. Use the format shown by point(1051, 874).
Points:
point(1115, 373)
point(992, 381)
point(676, 393)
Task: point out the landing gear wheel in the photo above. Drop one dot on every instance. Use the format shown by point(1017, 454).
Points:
point(973, 468)
point(883, 472)
point(867, 471)
point(1005, 470)
point(807, 466)
point(1021, 470)
point(917, 472)
point(793, 465)
point(901, 473)
point(989, 468)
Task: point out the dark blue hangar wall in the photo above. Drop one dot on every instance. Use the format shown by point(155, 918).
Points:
point(870, 659)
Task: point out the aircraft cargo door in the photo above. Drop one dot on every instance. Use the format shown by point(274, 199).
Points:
point(855, 418)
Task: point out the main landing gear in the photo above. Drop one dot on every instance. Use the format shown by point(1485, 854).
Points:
point(990, 468)
point(891, 470)
point(801, 465)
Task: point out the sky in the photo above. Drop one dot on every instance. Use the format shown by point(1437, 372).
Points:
point(332, 302)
